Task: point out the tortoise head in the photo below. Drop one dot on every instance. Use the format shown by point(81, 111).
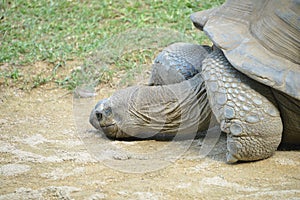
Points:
point(102, 118)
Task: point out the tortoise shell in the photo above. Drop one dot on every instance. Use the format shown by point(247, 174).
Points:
point(260, 38)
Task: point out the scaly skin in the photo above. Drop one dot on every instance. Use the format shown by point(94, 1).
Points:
point(245, 109)
point(178, 62)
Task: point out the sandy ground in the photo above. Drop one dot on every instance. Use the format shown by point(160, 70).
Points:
point(49, 151)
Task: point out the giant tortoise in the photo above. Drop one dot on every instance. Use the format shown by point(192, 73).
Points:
point(249, 80)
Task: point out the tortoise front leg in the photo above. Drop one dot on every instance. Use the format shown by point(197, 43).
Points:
point(244, 108)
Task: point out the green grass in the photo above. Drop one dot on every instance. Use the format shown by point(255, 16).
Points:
point(56, 31)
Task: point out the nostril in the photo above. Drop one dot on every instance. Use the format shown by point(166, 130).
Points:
point(99, 115)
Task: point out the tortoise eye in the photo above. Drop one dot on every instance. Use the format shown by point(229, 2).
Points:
point(99, 115)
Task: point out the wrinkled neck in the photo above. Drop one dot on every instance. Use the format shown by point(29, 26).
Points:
point(176, 109)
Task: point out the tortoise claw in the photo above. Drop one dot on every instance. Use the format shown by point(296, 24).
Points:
point(231, 158)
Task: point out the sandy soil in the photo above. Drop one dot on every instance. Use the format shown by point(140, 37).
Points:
point(49, 151)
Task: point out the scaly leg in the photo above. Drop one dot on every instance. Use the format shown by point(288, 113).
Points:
point(244, 108)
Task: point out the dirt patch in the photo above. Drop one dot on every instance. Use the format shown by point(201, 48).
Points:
point(43, 156)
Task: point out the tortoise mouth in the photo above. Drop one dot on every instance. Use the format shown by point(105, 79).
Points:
point(106, 126)
point(109, 128)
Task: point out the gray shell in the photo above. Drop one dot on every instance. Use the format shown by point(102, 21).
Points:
point(260, 38)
